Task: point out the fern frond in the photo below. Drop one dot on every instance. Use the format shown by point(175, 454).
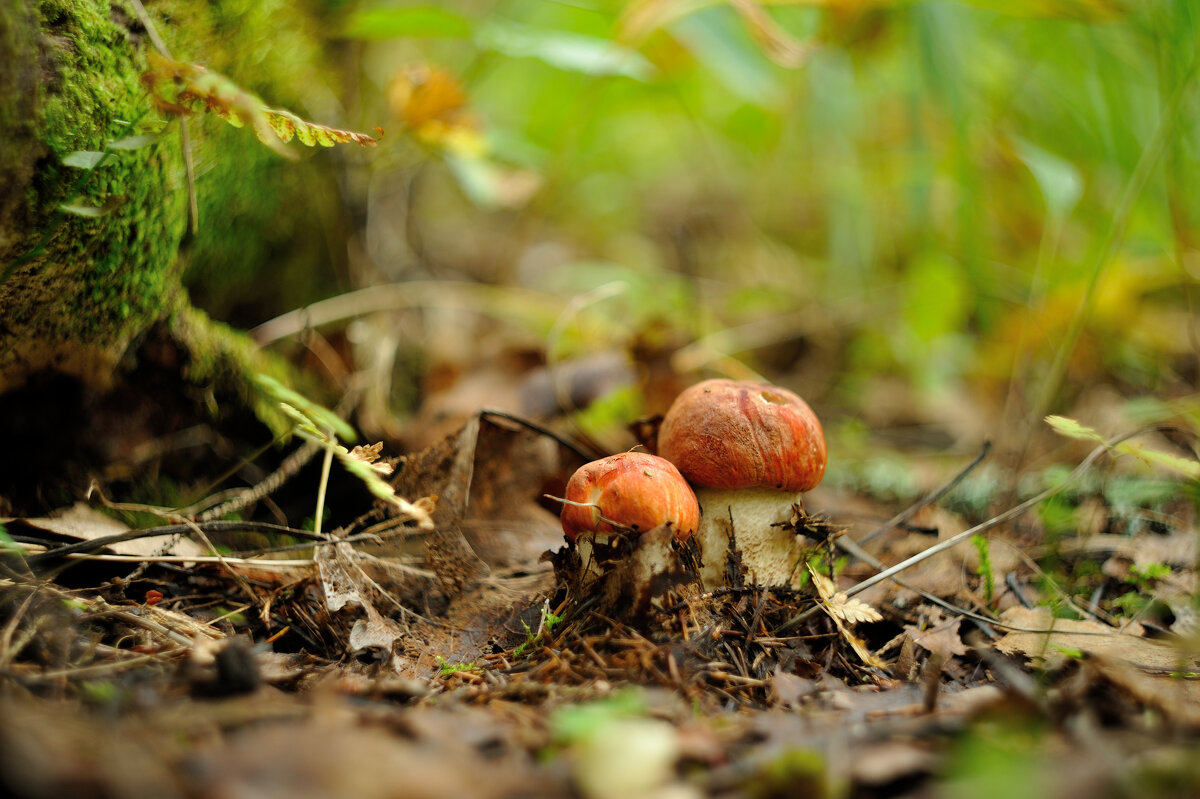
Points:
point(180, 88)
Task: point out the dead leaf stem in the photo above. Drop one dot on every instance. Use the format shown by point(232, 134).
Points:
point(930, 498)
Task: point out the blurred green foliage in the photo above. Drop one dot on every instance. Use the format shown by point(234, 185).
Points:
point(957, 196)
point(1004, 758)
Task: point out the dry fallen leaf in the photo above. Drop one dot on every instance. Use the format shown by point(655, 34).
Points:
point(887, 762)
point(346, 586)
point(1078, 635)
point(489, 479)
point(942, 640)
point(788, 690)
point(1175, 694)
point(1155, 673)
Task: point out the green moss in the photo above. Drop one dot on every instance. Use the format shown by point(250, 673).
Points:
point(19, 92)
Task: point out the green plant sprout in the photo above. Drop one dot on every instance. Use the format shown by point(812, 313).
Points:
point(322, 426)
point(1142, 578)
point(985, 567)
point(445, 668)
point(6, 542)
point(571, 724)
point(1072, 429)
point(547, 623)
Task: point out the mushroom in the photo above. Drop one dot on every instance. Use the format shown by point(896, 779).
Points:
point(631, 494)
point(748, 449)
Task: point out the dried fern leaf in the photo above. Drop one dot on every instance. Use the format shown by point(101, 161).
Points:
point(180, 89)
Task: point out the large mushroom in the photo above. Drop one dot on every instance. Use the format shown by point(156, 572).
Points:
point(635, 496)
point(749, 449)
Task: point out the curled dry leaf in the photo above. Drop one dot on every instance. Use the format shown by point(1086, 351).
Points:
point(838, 605)
point(370, 455)
point(367, 454)
point(845, 612)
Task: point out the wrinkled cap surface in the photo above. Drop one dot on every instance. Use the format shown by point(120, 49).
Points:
point(736, 434)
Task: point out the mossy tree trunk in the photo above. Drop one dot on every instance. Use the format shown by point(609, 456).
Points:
point(77, 291)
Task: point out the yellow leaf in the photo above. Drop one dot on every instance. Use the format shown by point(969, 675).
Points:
point(421, 95)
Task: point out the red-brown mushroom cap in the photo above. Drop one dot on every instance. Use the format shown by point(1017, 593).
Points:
point(636, 490)
point(732, 434)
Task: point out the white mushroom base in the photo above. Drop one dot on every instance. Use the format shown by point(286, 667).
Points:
point(633, 573)
point(754, 518)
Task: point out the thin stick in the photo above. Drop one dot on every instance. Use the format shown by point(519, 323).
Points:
point(256, 562)
point(541, 429)
point(237, 578)
point(100, 668)
point(854, 550)
point(930, 498)
point(94, 544)
point(489, 300)
point(965, 535)
point(151, 31)
point(7, 650)
point(104, 611)
point(290, 466)
point(325, 464)
point(189, 171)
point(617, 526)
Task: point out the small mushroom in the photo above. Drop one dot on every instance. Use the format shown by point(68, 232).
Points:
point(748, 449)
point(629, 494)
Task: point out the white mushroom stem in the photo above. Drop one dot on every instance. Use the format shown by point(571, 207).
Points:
point(651, 555)
point(586, 544)
point(772, 555)
point(638, 574)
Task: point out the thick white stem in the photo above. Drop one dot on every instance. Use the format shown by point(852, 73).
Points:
point(631, 576)
point(651, 554)
point(771, 554)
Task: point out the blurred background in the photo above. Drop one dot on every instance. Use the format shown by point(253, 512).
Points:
point(936, 221)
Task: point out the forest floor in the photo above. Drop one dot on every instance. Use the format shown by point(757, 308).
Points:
point(206, 658)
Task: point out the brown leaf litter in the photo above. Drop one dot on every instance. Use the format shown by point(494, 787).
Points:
point(397, 662)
